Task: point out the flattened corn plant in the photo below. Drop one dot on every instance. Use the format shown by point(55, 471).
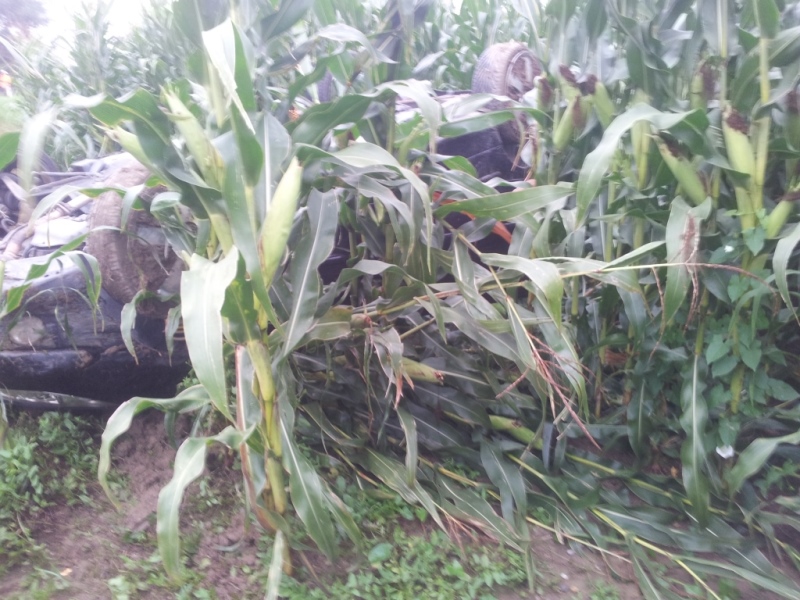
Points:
point(623, 372)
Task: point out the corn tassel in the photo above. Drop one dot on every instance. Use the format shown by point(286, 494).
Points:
point(684, 172)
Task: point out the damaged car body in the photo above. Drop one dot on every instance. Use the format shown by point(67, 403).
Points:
point(87, 281)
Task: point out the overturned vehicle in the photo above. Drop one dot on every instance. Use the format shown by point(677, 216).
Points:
point(90, 278)
point(60, 331)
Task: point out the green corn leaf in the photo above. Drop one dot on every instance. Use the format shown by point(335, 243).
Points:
point(332, 325)
point(500, 343)
point(31, 145)
point(508, 480)
point(341, 32)
point(409, 426)
point(464, 274)
point(393, 474)
point(776, 583)
point(683, 236)
point(9, 143)
point(275, 573)
point(468, 505)
point(315, 245)
point(221, 44)
point(780, 262)
point(307, 488)
point(511, 204)
point(694, 419)
point(203, 289)
point(542, 274)
point(767, 17)
point(597, 163)
point(639, 419)
point(188, 400)
point(753, 458)
point(286, 15)
point(647, 575)
point(127, 322)
point(190, 462)
point(205, 155)
point(315, 123)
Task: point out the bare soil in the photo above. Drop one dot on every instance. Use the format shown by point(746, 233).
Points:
point(88, 545)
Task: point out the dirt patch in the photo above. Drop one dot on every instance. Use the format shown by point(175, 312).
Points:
point(94, 551)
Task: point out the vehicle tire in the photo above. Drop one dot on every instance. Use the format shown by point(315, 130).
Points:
point(137, 257)
point(508, 69)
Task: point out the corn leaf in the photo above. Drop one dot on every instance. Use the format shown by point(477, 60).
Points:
point(203, 289)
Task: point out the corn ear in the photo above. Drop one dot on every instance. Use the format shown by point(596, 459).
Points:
point(130, 143)
point(421, 372)
point(697, 99)
point(740, 150)
point(581, 116)
point(566, 126)
point(684, 172)
point(778, 217)
point(516, 430)
point(203, 152)
point(568, 83)
point(275, 232)
point(603, 105)
point(544, 93)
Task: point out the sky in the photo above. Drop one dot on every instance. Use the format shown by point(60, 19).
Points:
point(123, 14)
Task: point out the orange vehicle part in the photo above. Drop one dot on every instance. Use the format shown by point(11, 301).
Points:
point(498, 229)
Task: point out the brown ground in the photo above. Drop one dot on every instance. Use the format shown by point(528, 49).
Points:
point(89, 545)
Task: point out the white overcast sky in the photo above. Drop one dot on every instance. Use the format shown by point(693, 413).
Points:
point(123, 14)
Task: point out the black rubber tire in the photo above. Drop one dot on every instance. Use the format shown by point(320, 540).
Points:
point(127, 263)
point(507, 69)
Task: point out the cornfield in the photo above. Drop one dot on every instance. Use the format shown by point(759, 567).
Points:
point(620, 370)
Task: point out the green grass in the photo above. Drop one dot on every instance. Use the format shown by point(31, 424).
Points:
point(12, 115)
point(418, 565)
point(46, 460)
